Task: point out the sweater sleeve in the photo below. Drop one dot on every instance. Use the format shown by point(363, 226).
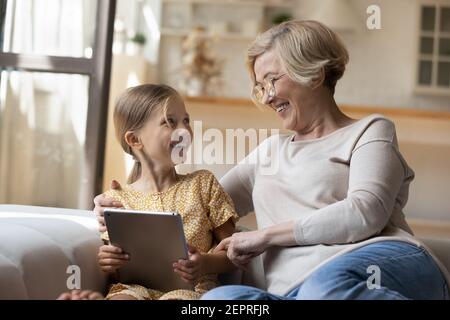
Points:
point(239, 181)
point(377, 172)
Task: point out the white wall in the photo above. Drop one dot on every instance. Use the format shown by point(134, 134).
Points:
point(383, 62)
point(236, 82)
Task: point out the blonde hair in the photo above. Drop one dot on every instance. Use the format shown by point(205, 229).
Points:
point(133, 108)
point(307, 49)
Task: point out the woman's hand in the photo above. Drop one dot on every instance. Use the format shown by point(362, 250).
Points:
point(111, 258)
point(191, 270)
point(243, 246)
point(102, 201)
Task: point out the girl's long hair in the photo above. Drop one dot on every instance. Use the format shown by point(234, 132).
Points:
point(133, 108)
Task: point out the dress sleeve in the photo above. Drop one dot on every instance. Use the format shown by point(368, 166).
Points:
point(220, 205)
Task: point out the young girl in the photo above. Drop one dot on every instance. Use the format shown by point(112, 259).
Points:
point(145, 120)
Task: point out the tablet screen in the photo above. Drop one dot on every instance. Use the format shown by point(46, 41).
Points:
point(154, 241)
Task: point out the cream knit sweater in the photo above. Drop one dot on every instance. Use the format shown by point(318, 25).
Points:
point(343, 191)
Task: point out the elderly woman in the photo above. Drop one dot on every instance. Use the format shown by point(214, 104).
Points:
point(331, 215)
point(329, 212)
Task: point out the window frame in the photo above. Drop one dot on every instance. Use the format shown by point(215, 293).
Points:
point(433, 88)
point(98, 68)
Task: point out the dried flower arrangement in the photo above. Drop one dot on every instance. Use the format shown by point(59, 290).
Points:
point(201, 70)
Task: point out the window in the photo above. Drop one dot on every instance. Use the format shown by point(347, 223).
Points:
point(55, 61)
point(434, 48)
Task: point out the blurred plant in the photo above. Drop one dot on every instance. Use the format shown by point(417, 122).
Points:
point(201, 70)
point(280, 18)
point(139, 38)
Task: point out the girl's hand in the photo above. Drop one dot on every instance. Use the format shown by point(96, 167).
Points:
point(111, 258)
point(191, 270)
point(101, 202)
point(242, 247)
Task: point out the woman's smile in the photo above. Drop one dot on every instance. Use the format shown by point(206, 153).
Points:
point(283, 109)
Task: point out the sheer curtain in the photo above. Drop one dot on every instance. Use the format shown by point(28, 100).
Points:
point(43, 115)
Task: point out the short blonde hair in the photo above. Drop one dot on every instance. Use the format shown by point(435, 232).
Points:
point(306, 49)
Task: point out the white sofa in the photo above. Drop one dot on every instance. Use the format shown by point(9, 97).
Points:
point(38, 244)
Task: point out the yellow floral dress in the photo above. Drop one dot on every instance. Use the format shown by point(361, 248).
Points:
point(203, 205)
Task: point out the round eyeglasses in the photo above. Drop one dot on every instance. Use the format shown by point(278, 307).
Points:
point(267, 86)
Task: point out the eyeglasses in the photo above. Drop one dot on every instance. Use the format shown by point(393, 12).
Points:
point(267, 86)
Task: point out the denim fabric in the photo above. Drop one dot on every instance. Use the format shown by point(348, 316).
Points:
point(405, 272)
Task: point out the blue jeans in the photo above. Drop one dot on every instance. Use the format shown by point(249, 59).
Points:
point(391, 270)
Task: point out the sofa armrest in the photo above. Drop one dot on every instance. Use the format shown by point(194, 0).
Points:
point(38, 244)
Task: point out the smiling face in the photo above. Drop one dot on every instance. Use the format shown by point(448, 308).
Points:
point(166, 136)
point(294, 103)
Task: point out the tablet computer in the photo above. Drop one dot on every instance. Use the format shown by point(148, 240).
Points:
point(154, 241)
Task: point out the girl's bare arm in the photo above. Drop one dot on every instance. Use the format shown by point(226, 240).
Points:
point(217, 261)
